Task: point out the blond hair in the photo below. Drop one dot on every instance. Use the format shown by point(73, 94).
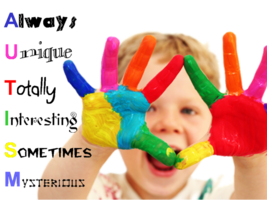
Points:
point(170, 45)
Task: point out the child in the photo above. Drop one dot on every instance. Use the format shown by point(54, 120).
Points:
point(178, 116)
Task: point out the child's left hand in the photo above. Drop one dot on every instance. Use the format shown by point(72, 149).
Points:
point(239, 125)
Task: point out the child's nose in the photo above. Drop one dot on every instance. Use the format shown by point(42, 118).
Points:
point(170, 123)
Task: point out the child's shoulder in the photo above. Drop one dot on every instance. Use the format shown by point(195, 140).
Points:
point(214, 188)
point(107, 187)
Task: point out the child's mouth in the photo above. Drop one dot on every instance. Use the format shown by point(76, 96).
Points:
point(159, 169)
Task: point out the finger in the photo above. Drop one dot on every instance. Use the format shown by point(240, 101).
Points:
point(109, 71)
point(231, 65)
point(151, 144)
point(163, 79)
point(193, 154)
point(139, 62)
point(76, 80)
point(204, 87)
point(259, 83)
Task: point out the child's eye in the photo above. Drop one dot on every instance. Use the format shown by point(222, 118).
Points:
point(149, 108)
point(188, 111)
point(185, 110)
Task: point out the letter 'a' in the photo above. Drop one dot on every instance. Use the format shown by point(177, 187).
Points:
point(11, 19)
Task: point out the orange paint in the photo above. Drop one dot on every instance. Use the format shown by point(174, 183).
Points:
point(139, 62)
point(231, 65)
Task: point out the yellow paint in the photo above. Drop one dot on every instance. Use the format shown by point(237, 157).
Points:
point(100, 123)
point(10, 149)
point(194, 154)
point(169, 150)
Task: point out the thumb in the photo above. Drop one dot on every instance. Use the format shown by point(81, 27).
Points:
point(194, 153)
point(151, 144)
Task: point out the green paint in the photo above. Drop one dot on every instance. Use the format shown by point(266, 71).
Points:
point(157, 148)
point(204, 87)
point(178, 160)
point(6, 116)
point(207, 189)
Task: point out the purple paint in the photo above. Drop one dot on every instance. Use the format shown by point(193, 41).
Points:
point(265, 107)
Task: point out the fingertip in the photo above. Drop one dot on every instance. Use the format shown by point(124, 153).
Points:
point(179, 59)
point(112, 44)
point(229, 36)
point(168, 157)
point(265, 107)
point(190, 65)
point(178, 56)
point(76, 80)
point(229, 42)
point(188, 58)
point(179, 162)
point(67, 63)
point(70, 70)
point(150, 40)
point(264, 51)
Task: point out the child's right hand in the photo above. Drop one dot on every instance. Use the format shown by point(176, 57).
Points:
point(115, 117)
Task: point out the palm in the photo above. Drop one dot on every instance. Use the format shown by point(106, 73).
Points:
point(115, 117)
point(238, 126)
point(125, 123)
point(239, 117)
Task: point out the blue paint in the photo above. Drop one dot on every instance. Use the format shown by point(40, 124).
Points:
point(132, 107)
point(76, 80)
point(265, 107)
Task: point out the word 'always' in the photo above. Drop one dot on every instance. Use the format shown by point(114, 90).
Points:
point(59, 23)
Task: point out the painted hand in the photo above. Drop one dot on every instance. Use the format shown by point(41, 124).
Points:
point(239, 125)
point(115, 117)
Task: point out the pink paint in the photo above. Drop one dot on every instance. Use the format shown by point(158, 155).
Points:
point(7, 51)
point(109, 71)
point(259, 83)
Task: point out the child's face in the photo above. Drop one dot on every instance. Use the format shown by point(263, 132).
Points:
point(180, 118)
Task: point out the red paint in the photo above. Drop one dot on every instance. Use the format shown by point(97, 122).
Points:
point(239, 126)
point(10, 85)
point(163, 79)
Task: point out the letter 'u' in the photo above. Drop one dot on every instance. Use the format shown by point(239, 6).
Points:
point(7, 51)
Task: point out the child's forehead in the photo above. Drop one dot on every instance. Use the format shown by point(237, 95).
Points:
point(181, 87)
point(154, 67)
point(181, 90)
